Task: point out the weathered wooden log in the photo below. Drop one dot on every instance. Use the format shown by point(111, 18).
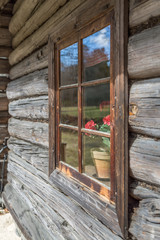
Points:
point(4, 66)
point(37, 19)
point(4, 117)
point(3, 83)
point(143, 56)
point(144, 100)
point(23, 13)
point(85, 225)
point(142, 11)
point(141, 190)
point(30, 85)
point(144, 156)
point(31, 108)
point(36, 61)
point(4, 21)
point(145, 222)
point(40, 37)
point(3, 104)
point(3, 133)
point(34, 132)
point(5, 37)
point(3, 3)
point(33, 154)
point(16, 6)
point(5, 51)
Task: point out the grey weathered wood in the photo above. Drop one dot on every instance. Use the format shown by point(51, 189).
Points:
point(143, 55)
point(35, 155)
point(23, 13)
point(142, 11)
point(145, 222)
point(5, 37)
point(80, 220)
point(30, 85)
point(141, 190)
point(93, 203)
point(36, 61)
point(37, 19)
point(31, 108)
point(144, 100)
point(144, 156)
point(34, 132)
point(40, 37)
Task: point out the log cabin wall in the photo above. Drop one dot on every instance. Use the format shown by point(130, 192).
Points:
point(30, 195)
point(5, 50)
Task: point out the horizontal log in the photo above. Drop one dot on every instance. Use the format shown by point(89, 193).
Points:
point(32, 84)
point(36, 61)
point(16, 6)
point(144, 159)
point(4, 116)
point(86, 226)
point(5, 51)
point(40, 37)
point(142, 12)
point(23, 13)
point(35, 155)
point(145, 221)
point(5, 37)
point(3, 133)
point(144, 100)
point(3, 104)
point(4, 21)
point(144, 54)
point(3, 83)
point(31, 108)
point(140, 190)
point(4, 66)
point(34, 132)
point(37, 19)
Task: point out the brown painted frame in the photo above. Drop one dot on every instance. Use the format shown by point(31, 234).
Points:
point(69, 26)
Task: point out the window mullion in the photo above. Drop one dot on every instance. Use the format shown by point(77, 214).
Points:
point(80, 104)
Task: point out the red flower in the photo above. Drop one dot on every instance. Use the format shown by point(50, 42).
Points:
point(106, 120)
point(90, 125)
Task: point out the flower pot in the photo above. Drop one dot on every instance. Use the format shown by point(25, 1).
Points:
point(102, 163)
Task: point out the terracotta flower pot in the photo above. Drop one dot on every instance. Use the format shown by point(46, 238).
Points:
point(102, 163)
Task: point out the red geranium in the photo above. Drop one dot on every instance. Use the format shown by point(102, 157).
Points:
point(106, 120)
point(90, 125)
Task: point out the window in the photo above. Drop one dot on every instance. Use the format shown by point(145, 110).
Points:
point(88, 101)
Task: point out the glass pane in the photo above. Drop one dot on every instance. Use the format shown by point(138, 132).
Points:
point(96, 107)
point(96, 157)
point(69, 147)
point(96, 55)
point(69, 106)
point(69, 65)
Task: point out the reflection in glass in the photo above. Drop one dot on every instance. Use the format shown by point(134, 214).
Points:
point(69, 106)
point(96, 55)
point(69, 65)
point(69, 147)
point(96, 157)
point(96, 104)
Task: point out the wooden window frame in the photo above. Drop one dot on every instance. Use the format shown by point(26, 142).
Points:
point(120, 106)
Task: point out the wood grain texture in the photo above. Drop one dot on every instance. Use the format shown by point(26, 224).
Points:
point(16, 5)
point(5, 37)
point(4, 21)
point(3, 83)
point(142, 12)
point(4, 66)
point(3, 133)
point(37, 19)
point(4, 116)
point(3, 104)
point(86, 226)
point(35, 155)
point(33, 84)
point(5, 51)
point(144, 100)
point(144, 156)
point(143, 56)
point(30, 108)
point(23, 13)
point(34, 132)
point(145, 222)
point(36, 61)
